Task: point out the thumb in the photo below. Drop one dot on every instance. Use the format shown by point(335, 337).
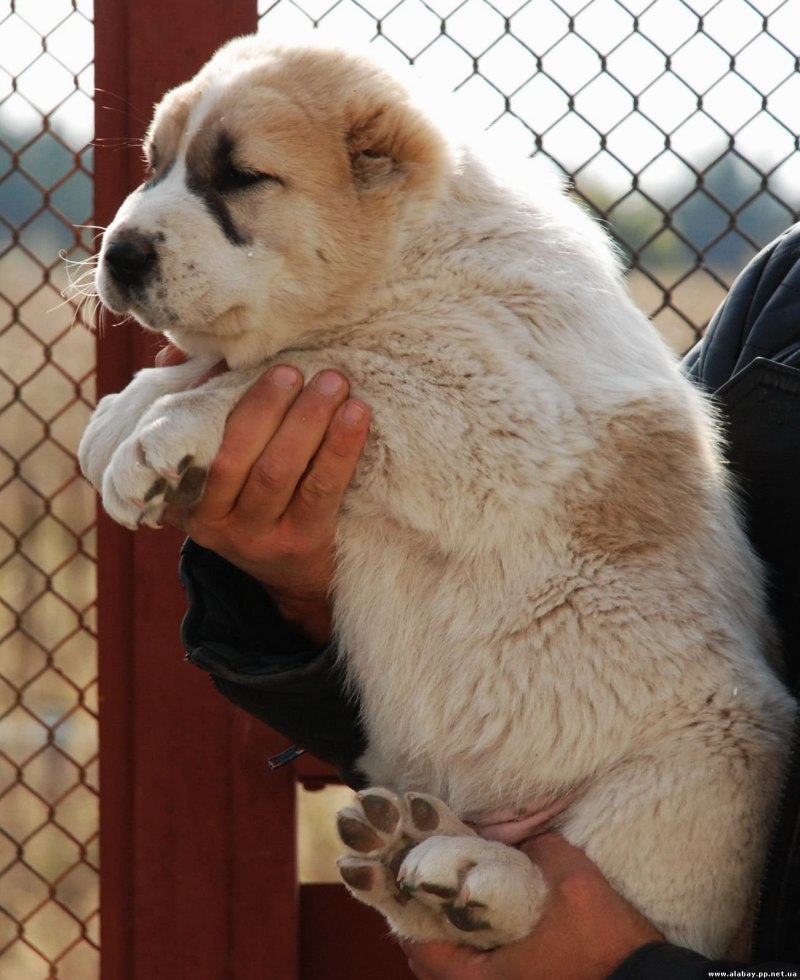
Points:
point(169, 355)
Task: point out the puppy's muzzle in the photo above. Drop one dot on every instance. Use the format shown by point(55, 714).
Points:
point(130, 258)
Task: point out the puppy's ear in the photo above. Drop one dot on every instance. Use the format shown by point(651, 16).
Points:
point(373, 148)
point(395, 147)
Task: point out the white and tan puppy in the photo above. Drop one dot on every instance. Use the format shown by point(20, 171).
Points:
point(543, 594)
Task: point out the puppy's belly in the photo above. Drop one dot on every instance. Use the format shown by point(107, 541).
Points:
point(514, 826)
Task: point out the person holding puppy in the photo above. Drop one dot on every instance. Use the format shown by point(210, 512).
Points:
point(265, 529)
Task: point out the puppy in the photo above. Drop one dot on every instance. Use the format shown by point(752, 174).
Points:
point(543, 594)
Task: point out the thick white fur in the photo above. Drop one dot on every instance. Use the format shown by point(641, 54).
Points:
point(543, 592)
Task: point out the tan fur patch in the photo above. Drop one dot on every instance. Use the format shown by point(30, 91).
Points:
point(647, 486)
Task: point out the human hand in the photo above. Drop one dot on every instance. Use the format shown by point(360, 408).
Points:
point(273, 492)
point(585, 932)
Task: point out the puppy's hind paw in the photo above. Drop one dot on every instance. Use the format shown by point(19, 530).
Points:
point(431, 875)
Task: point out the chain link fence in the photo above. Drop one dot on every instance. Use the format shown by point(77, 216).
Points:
point(49, 902)
point(675, 122)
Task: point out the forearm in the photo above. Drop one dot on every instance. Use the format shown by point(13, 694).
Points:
point(311, 617)
point(265, 664)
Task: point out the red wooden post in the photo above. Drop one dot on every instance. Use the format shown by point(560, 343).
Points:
point(197, 839)
point(198, 875)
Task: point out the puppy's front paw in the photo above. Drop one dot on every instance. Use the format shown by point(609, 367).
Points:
point(165, 461)
point(432, 876)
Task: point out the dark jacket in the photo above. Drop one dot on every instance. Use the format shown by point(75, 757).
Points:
point(750, 362)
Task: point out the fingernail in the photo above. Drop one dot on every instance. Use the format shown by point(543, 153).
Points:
point(283, 376)
point(353, 413)
point(328, 382)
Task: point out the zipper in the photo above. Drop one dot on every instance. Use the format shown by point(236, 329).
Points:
point(281, 759)
point(761, 945)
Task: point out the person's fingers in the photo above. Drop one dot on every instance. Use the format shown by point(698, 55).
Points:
point(320, 492)
point(276, 472)
point(169, 355)
point(250, 426)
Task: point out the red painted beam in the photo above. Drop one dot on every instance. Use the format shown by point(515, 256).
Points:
point(197, 838)
point(341, 939)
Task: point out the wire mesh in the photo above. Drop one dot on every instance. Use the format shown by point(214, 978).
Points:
point(48, 711)
point(675, 120)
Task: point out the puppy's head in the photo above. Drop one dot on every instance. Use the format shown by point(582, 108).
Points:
point(281, 182)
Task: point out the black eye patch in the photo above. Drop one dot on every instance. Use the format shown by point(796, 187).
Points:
point(212, 175)
point(235, 179)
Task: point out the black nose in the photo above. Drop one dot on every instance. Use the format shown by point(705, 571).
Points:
point(130, 258)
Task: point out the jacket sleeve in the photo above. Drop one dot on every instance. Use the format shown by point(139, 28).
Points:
point(758, 317)
point(661, 961)
point(263, 665)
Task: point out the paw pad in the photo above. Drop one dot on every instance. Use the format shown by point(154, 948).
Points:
point(381, 811)
point(356, 832)
point(423, 814)
point(358, 876)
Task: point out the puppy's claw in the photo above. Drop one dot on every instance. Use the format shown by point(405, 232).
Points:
point(439, 891)
point(156, 490)
point(464, 918)
point(396, 863)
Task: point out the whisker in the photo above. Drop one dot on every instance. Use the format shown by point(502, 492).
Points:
point(109, 142)
point(79, 273)
point(115, 148)
point(80, 292)
point(84, 311)
point(90, 260)
point(123, 106)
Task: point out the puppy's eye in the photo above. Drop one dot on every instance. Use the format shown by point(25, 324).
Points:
point(240, 179)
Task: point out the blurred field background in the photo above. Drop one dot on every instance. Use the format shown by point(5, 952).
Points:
point(677, 123)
